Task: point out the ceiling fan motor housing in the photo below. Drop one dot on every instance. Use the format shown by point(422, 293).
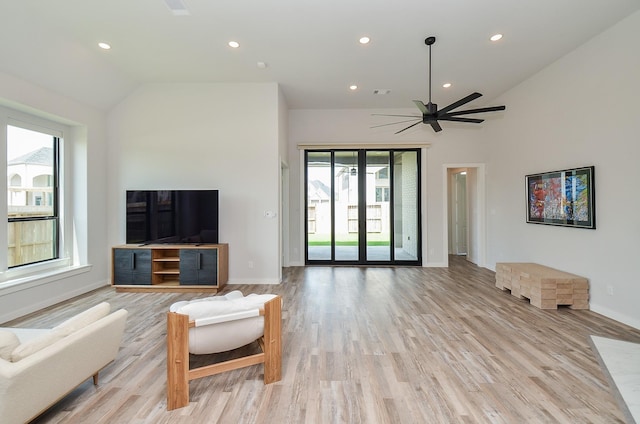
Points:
point(430, 116)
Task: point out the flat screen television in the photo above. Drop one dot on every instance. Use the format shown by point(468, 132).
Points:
point(172, 216)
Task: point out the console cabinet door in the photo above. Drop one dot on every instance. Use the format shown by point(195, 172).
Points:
point(132, 266)
point(199, 267)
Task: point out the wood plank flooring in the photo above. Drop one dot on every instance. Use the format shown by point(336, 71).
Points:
point(366, 345)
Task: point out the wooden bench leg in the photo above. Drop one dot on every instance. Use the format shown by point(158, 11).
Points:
point(177, 360)
point(273, 340)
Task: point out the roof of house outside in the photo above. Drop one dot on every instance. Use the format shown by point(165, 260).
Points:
point(42, 156)
point(320, 190)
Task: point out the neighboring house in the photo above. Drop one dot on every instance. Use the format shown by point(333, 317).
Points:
point(319, 205)
point(30, 194)
point(346, 209)
point(29, 179)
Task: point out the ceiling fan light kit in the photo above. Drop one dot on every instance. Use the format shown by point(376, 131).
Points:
point(430, 113)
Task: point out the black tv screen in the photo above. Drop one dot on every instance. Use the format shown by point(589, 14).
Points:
point(172, 216)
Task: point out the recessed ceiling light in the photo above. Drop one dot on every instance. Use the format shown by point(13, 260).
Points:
point(234, 44)
point(261, 65)
point(104, 46)
point(364, 40)
point(446, 85)
point(496, 37)
point(353, 87)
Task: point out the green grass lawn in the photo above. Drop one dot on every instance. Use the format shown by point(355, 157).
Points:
point(373, 239)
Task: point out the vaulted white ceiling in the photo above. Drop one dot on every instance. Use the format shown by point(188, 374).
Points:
point(309, 47)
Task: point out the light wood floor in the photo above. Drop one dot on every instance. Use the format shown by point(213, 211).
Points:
point(367, 345)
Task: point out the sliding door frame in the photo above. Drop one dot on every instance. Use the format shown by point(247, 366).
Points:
point(362, 207)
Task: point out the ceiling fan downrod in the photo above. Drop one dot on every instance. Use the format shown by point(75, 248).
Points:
point(429, 41)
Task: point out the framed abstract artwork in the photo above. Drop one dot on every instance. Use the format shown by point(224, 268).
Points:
point(565, 198)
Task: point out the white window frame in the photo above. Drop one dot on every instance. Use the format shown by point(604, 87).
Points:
point(29, 272)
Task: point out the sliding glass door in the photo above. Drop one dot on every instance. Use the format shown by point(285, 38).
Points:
point(362, 207)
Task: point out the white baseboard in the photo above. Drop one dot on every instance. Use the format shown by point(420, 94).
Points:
point(252, 281)
point(632, 322)
point(435, 265)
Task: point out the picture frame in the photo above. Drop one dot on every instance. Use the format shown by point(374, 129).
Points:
point(563, 198)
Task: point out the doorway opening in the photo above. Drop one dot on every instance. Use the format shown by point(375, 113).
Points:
point(464, 211)
point(458, 223)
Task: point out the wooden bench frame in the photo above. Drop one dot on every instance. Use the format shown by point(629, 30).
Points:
point(545, 287)
point(179, 374)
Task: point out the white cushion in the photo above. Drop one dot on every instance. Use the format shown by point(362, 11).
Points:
point(63, 329)
point(227, 335)
point(36, 344)
point(27, 334)
point(83, 319)
point(236, 294)
point(205, 309)
point(8, 342)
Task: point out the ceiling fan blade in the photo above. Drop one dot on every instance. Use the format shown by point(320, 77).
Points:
point(453, 119)
point(436, 126)
point(421, 106)
point(481, 110)
point(460, 102)
point(393, 123)
point(412, 125)
point(402, 116)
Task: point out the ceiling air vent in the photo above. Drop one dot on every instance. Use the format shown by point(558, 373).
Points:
point(381, 91)
point(177, 7)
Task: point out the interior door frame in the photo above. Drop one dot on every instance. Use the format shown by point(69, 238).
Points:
point(479, 206)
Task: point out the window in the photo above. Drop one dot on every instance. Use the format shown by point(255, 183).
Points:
point(311, 219)
point(382, 194)
point(32, 196)
point(374, 218)
point(352, 214)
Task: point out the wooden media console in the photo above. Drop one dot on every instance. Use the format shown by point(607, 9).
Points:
point(201, 268)
point(545, 287)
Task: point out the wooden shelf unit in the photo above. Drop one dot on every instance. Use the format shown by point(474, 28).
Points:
point(165, 266)
point(170, 267)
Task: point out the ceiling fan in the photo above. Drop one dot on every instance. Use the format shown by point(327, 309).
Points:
point(430, 113)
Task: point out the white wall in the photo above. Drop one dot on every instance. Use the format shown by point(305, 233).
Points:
point(582, 110)
point(86, 145)
point(205, 136)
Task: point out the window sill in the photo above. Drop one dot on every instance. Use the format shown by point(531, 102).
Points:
point(13, 283)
